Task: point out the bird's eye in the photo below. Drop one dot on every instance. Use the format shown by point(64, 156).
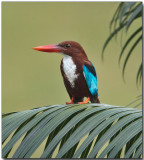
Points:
point(67, 45)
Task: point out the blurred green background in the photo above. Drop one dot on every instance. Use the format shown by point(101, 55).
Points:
point(33, 79)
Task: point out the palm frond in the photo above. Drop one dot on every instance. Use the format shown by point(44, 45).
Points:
point(130, 52)
point(128, 41)
point(125, 11)
point(110, 37)
point(139, 74)
point(137, 12)
point(125, 14)
point(115, 18)
point(66, 126)
point(135, 103)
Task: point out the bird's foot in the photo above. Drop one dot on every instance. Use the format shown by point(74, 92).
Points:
point(71, 102)
point(86, 101)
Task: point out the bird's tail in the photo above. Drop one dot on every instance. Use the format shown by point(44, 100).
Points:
point(95, 99)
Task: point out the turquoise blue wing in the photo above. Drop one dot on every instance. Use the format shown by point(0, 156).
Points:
point(91, 78)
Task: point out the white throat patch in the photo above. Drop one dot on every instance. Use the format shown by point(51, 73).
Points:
point(69, 69)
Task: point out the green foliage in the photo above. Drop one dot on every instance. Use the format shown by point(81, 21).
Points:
point(136, 103)
point(79, 131)
point(124, 16)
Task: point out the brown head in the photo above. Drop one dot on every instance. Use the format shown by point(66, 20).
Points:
point(70, 48)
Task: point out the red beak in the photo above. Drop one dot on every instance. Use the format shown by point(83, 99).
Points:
point(49, 48)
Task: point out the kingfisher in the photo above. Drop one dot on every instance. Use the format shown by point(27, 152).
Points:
point(79, 74)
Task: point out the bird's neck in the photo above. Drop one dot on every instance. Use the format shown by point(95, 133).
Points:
point(77, 59)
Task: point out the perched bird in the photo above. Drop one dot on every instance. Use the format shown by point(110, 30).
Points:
point(78, 72)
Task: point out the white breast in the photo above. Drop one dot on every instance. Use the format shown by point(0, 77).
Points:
point(70, 70)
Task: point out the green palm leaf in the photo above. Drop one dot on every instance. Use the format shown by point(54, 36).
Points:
point(130, 52)
point(132, 146)
point(135, 103)
point(138, 152)
point(35, 138)
point(131, 130)
point(135, 14)
point(66, 126)
point(128, 41)
point(126, 13)
point(110, 37)
point(139, 74)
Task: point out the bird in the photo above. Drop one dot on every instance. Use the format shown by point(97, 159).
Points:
point(78, 72)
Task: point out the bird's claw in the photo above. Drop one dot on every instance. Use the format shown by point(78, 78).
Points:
point(71, 102)
point(85, 102)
